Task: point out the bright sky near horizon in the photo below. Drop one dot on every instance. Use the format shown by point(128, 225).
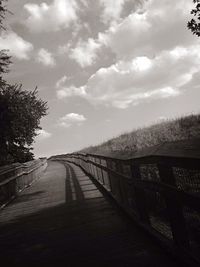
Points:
point(104, 66)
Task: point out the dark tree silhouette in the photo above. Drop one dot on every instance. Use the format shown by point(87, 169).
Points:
point(20, 113)
point(194, 24)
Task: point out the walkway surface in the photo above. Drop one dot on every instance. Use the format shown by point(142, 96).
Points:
point(64, 220)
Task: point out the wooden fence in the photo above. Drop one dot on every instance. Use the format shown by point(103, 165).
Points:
point(15, 177)
point(160, 193)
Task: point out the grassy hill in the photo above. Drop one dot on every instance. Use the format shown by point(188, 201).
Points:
point(126, 145)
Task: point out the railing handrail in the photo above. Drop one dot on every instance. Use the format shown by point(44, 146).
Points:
point(177, 161)
point(8, 168)
point(13, 166)
point(181, 148)
point(19, 170)
point(17, 177)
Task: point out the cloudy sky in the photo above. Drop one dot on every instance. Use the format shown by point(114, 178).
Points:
point(104, 66)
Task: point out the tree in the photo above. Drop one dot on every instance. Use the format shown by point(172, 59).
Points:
point(194, 24)
point(20, 113)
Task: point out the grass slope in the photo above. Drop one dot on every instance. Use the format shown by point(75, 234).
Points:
point(128, 144)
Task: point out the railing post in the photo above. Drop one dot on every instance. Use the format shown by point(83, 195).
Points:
point(108, 175)
point(89, 164)
point(95, 169)
point(123, 194)
point(100, 160)
point(114, 183)
point(117, 182)
point(139, 194)
point(174, 206)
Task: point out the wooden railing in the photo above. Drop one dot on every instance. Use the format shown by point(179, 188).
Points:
point(15, 177)
point(160, 193)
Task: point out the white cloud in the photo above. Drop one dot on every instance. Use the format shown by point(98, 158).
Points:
point(42, 134)
point(64, 49)
point(64, 90)
point(160, 26)
point(156, 56)
point(138, 64)
point(51, 17)
point(112, 9)
point(16, 45)
point(60, 83)
point(178, 52)
point(85, 52)
point(71, 119)
point(135, 99)
point(45, 57)
point(70, 91)
point(142, 79)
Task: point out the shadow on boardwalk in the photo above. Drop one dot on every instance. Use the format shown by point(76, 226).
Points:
point(84, 230)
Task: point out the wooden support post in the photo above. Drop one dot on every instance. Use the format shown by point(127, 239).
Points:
point(108, 175)
point(103, 182)
point(112, 179)
point(174, 207)
point(139, 195)
point(122, 192)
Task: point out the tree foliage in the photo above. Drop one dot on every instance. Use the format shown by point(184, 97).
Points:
point(20, 113)
point(194, 24)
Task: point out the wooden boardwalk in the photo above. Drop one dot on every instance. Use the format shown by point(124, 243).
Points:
point(64, 220)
